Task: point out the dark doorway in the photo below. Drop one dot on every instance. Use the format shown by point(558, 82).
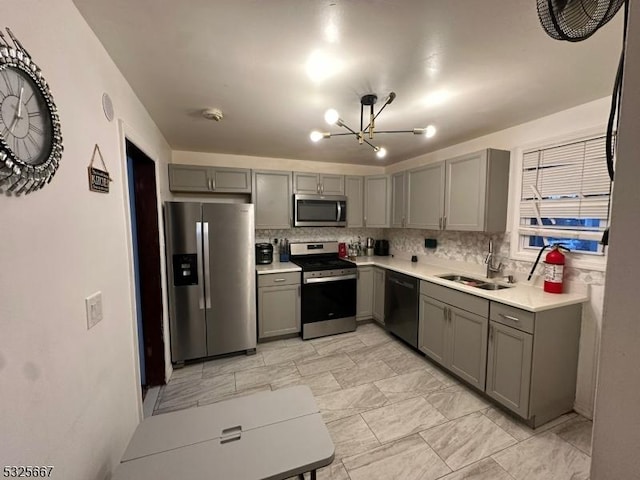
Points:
point(147, 272)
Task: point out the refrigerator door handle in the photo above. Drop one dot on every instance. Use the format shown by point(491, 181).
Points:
point(207, 270)
point(199, 257)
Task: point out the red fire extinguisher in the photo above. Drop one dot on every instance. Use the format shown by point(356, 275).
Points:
point(554, 270)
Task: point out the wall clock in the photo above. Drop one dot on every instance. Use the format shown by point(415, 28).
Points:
point(30, 135)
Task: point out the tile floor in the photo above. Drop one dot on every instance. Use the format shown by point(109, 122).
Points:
point(391, 413)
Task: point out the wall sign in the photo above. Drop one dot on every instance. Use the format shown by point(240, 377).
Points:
point(98, 179)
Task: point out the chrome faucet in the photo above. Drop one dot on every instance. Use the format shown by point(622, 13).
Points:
point(491, 267)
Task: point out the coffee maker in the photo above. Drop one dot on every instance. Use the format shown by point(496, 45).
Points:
point(381, 248)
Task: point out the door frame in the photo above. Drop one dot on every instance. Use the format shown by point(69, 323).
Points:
point(127, 133)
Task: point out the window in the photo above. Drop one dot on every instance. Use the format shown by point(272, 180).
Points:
point(565, 197)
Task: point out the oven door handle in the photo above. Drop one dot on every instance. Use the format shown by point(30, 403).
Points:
point(329, 279)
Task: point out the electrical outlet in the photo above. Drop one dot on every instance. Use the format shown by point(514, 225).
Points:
point(94, 309)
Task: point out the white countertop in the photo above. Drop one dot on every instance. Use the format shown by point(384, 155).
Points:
point(520, 295)
point(277, 267)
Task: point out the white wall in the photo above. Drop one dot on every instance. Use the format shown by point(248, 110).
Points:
point(616, 435)
point(269, 163)
point(70, 396)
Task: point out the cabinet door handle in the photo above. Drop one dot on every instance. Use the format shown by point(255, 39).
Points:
point(277, 280)
point(445, 312)
point(440, 223)
point(449, 314)
point(491, 333)
point(213, 183)
point(444, 223)
point(509, 317)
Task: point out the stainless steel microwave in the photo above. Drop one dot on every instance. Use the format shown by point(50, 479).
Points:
point(319, 211)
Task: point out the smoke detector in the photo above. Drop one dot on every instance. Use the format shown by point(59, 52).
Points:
point(212, 114)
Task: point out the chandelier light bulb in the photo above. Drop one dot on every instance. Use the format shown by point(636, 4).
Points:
point(331, 116)
point(316, 136)
point(430, 131)
point(381, 152)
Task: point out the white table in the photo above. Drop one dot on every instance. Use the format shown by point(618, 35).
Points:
point(269, 435)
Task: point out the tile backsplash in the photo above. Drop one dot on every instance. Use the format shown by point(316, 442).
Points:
point(319, 234)
point(472, 248)
point(468, 247)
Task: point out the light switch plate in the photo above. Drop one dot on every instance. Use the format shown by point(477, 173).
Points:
point(94, 309)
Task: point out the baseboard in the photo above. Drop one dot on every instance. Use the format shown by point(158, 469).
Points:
point(585, 411)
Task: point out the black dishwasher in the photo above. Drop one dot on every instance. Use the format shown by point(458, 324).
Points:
point(401, 299)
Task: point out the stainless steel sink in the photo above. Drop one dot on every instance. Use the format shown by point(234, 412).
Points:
point(472, 282)
point(491, 286)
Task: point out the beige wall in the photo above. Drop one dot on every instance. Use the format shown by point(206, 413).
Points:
point(70, 396)
point(616, 436)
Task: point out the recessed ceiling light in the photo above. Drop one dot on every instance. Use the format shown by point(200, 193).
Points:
point(437, 98)
point(331, 33)
point(321, 66)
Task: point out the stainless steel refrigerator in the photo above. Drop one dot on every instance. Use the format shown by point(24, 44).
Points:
point(211, 278)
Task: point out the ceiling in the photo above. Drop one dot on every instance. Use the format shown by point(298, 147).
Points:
point(468, 67)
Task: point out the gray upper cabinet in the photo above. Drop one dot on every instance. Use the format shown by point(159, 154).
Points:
point(332, 184)
point(377, 201)
point(202, 179)
point(312, 183)
point(476, 194)
point(469, 193)
point(425, 196)
point(272, 197)
point(354, 190)
point(398, 199)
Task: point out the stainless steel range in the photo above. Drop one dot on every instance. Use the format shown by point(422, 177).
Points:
point(328, 289)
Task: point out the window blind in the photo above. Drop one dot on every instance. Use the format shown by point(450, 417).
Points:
point(566, 191)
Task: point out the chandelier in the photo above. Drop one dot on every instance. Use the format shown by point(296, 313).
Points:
point(332, 117)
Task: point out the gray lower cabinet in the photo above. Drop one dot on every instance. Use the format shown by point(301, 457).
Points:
point(533, 360)
point(278, 304)
point(203, 179)
point(364, 304)
point(509, 367)
point(354, 190)
point(453, 331)
point(272, 198)
point(378, 294)
point(377, 201)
